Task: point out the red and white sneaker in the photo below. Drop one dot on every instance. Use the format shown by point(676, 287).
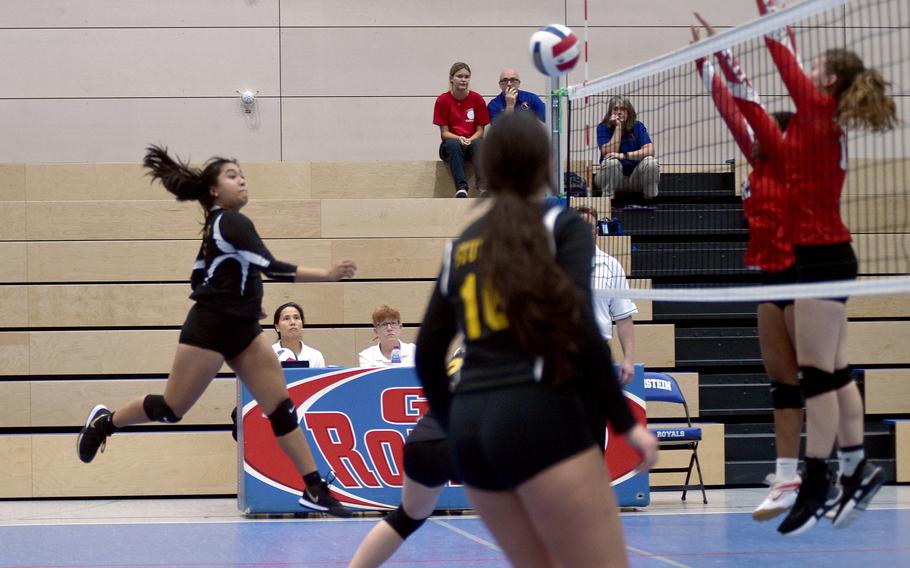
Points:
point(780, 499)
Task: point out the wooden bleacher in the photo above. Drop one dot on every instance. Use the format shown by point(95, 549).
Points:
point(93, 288)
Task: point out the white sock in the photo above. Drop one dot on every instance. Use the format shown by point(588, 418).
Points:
point(786, 468)
point(849, 459)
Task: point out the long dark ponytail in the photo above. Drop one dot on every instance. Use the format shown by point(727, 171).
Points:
point(516, 258)
point(184, 181)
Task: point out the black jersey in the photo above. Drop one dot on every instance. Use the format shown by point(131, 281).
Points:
point(493, 358)
point(226, 274)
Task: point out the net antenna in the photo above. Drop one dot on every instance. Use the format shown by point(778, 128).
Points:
point(687, 237)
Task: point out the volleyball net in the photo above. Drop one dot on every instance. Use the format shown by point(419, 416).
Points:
point(675, 220)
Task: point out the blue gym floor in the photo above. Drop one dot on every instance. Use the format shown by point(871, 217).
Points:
point(207, 533)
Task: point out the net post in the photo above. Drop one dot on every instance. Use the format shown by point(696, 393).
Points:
point(554, 123)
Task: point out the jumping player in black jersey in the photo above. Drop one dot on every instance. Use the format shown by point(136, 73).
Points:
point(223, 325)
point(526, 420)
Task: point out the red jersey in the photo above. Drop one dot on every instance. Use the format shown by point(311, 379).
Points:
point(462, 117)
point(816, 156)
point(764, 202)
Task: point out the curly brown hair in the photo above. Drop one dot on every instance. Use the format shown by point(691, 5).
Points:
point(861, 93)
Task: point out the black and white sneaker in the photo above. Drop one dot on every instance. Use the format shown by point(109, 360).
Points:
point(808, 510)
point(319, 498)
point(93, 436)
point(858, 491)
point(461, 193)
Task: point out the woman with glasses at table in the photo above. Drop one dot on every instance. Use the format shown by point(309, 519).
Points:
point(390, 350)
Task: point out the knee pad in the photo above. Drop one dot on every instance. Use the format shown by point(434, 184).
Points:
point(815, 382)
point(842, 377)
point(785, 396)
point(402, 523)
point(284, 418)
point(158, 411)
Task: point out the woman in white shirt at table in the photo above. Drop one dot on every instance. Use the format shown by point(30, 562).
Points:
point(289, 320)
point(391, 351)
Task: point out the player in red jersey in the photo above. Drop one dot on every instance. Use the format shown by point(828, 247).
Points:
point(759, 136)
point(838, 92)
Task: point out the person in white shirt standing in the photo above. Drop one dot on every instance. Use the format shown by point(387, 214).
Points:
point(288, 321)
point(610, 312)
point(391, 351)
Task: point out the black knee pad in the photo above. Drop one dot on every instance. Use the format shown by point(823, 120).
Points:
point(842, 377)
point(402, 523)
point(815, 382)
point(284, 418)
point(784, 396)
point(158, 411)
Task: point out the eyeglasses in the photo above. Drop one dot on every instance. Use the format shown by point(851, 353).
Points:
point(515, 80)
point(389, 324)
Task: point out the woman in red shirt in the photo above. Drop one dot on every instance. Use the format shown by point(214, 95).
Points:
point(460, 114)
point(760, 137)
point(838, 92)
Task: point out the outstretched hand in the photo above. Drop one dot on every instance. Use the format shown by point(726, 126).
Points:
point(709, 29)
point(342, 269)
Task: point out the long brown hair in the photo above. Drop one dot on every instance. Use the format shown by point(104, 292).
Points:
point(516, 258)
point(862, 100)
point(631, 115)
point(184, 181)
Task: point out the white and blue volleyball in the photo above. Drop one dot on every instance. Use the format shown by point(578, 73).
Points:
point(554, 50)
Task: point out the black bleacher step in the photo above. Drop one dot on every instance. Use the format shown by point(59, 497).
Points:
point(682, 219)
point(713, 346)
point(675, 311)
point(755, 441)
point(699, 183)
point(733, 394)
point(663, 259)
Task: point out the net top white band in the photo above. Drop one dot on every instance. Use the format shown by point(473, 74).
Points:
point(682, 56)
point(840, 289)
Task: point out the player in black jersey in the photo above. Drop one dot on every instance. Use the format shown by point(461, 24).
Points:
point(223, 325)
point(537, 385)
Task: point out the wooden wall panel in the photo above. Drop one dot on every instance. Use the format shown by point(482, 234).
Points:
point(15, 404)
point(711, 454)
point(879, 342)
point(399, 217)
point(879, 306)
point(12, 182)
point(902, 453)
point(14, 351)
point(172, 463)
point(16, 466)
point(688, 383)
point(66, 403)
point(13, 262)
point(887, 391)
point(141, 220)
point(655, 345)
point(13, 306)
point(13, 221)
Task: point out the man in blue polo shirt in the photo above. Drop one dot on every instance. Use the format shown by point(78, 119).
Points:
point(513, 99)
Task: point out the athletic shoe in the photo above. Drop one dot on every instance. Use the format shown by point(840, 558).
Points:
point(858, 491)
point(780, 499)
point(461, 193)
point(810, 506)
point(319, 498)
point(93, 436)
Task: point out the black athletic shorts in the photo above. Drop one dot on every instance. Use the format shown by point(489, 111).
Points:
point(826, 263)
point(427, 459)
point(502, 437)
point(786, 276)
point(211, 329)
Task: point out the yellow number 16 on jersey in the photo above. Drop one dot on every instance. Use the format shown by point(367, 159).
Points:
point(493, 318)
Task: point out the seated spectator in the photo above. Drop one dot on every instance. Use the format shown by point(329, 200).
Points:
point(391, 350)
point(461, 115)
point(627, 159)
point(608, 273)
point(511, 98)
point(289, 321)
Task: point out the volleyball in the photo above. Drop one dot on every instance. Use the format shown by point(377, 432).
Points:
point(554, 50)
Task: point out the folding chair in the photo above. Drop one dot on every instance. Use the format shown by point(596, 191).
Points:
point(661, 387)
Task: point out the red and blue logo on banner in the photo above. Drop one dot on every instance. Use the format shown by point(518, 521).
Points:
point(356, 422)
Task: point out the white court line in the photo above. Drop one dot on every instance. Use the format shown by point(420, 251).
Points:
point(658, 558)
point(467, 535)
